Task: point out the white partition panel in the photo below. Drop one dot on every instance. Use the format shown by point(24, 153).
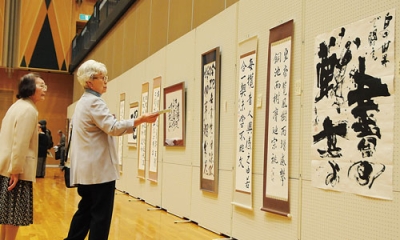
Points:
point(315, 214)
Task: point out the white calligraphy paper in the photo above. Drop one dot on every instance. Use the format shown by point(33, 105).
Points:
point(245, 115)
point(154, 131)
point(120, 138)
point(209, 94)
point(143, 130)
point(174, 118)
point(277, 178)
point(353, 111)
point(133, 114)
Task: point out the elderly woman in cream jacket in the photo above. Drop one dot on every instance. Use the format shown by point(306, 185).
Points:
point(18, 156)
point(94, 161)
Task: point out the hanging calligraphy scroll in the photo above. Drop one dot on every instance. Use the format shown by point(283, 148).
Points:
point(244, 124)
point(153, 168)
point(210, 68)
point(133, 114)
point(143, 131)
point(174, 120)
point(353, 107)
point(276, 160)
point(121, 117)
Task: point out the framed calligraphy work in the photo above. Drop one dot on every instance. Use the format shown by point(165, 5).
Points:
point(210, 88)
point(276, 149)
point(174, 120)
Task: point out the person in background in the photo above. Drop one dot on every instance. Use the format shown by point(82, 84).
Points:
point(42, 153)
point(93, 157)
point(61, 147)
point(18, 156)
point(47, 131)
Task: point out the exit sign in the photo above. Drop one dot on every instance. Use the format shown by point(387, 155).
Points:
point(84, 17)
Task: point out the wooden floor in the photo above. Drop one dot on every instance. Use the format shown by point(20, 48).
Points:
point(54, 206)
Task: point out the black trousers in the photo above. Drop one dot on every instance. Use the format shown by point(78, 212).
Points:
point(94, 212)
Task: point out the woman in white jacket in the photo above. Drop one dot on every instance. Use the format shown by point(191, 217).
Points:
point(18, 156)
point(94, 160)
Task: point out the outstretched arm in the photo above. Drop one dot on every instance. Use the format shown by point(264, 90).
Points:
point(146, 118)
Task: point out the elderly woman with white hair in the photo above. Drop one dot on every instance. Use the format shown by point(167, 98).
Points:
point(94, 161)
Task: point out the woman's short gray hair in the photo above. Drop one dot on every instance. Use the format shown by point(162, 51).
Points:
point(88, 69)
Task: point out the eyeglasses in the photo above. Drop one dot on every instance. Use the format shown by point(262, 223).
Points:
point(42, 86)
point(104, 78)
